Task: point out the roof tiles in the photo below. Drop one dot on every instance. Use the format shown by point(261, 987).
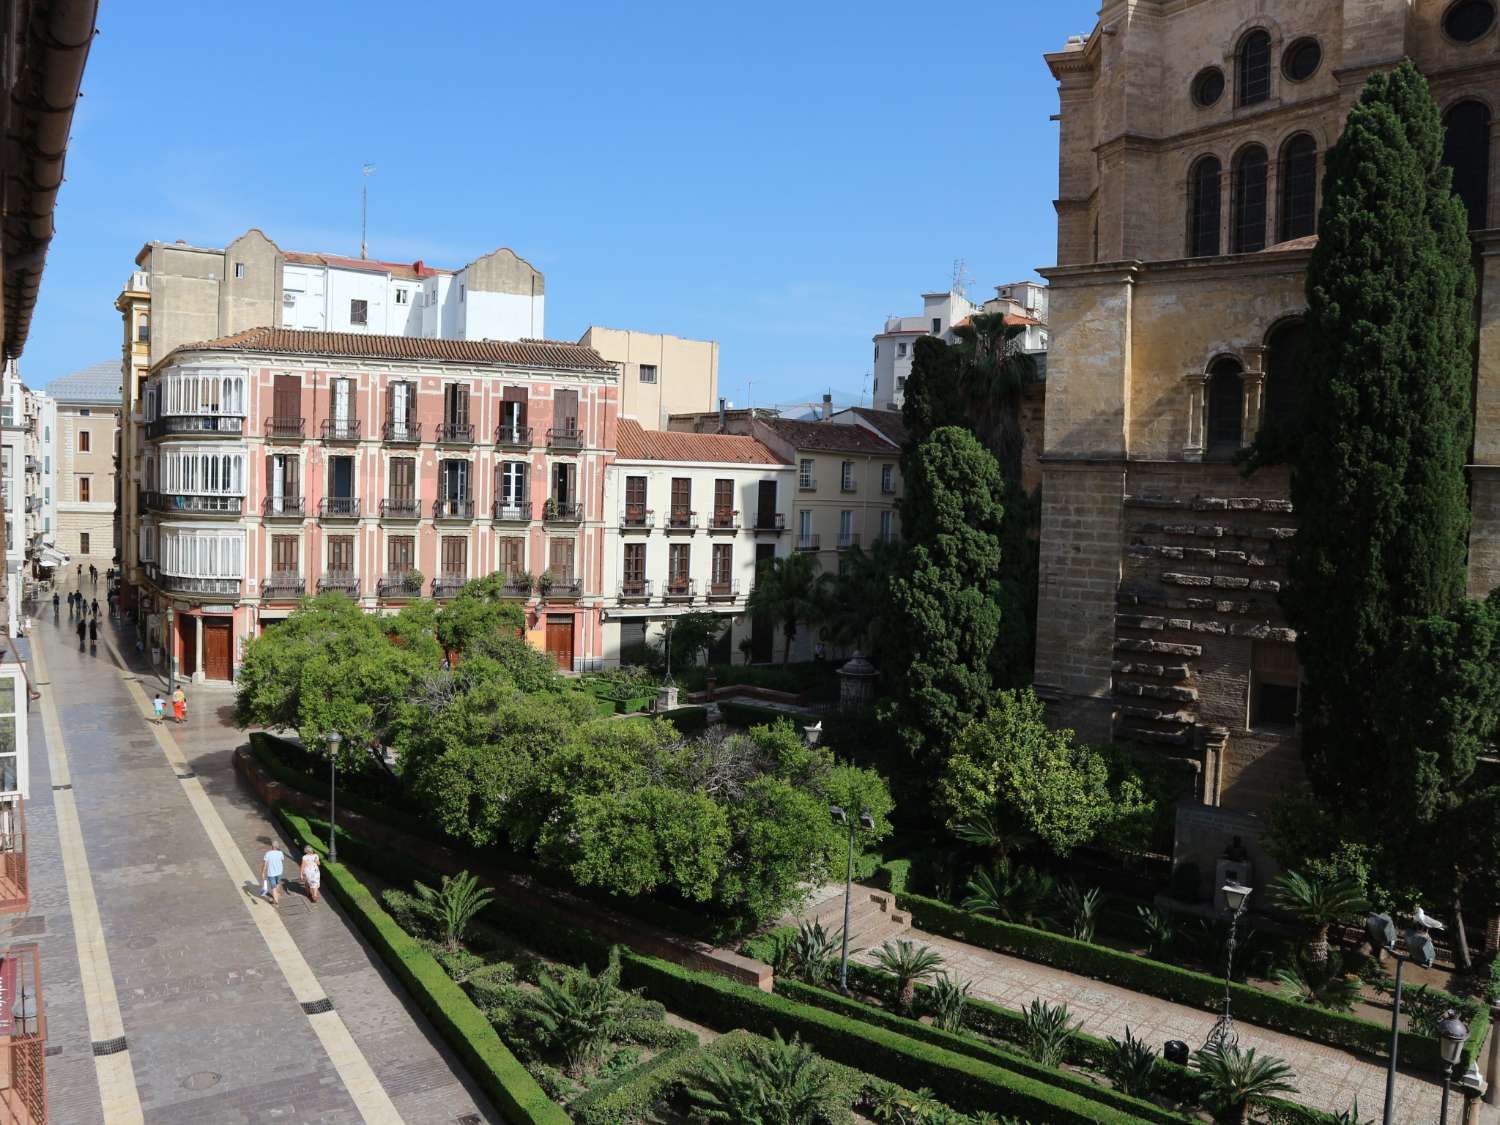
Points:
point(831, 437)
point(635, 443)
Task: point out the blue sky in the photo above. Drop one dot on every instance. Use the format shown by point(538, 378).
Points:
point(779, 177)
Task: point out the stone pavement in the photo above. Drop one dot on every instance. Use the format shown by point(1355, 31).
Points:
point(208, 983)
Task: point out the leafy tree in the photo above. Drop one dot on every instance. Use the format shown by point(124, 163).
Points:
point(789, 590)
point(478, 615)
point(577, 1014)
point(692, 634)
point(1318, 904)
point(909, 963)
point(453, 907)
point(993, 371)
point(768, 1083)
point(942, 603)
point(1236, 1076)
point(851, 615)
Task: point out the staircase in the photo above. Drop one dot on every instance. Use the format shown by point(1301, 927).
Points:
point(873, 917)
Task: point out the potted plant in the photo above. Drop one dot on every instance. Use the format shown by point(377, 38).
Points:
point(544, 581)
point(412, 581)
point(549, 508)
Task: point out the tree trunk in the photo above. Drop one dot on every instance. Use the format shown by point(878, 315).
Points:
point(1460, 935)
point(906, 995)
point(788, 631)
point(1241, 1113)
point(1317, 949)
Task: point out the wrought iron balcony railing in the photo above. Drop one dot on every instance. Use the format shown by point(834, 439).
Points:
point(340, 429)
point(282, 508)
point(339, 508)
point(401, 433)
point(280, 428)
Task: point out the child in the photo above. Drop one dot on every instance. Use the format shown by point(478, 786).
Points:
point(158, 705)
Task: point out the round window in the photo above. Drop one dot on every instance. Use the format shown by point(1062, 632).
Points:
point(1467, 20)
point(1301, 59)
point(1208, 87)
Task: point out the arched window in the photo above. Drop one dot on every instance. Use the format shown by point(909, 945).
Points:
point(1466, 149)
point(1254, 68)
point(1283, 360)
point(1203, 208)
point(1248, 228)
point(1225, 406)
point(1299, 188)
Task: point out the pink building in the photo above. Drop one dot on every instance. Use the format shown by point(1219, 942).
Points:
point(286, 462)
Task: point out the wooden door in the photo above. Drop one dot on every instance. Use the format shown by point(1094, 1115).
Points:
point(765, 504)
point(455, 558)
point(187, 628)
point(635, 498)
point(565, 408)
point(284, 556)
point(287, 397)
point(560, 640)
point(723, 500)
point(217, 639)
point(560, 561)
point(403, 480)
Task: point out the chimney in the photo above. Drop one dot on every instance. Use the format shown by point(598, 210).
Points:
point(723, 423)
point(827, 406)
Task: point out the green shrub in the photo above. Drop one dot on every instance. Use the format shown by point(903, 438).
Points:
point(687, 720)
point(738, 714)
point(627, 1098)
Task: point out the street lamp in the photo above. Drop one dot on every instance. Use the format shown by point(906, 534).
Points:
point(1381, 932)
point(867, 822)
point(333, 738)
point(1453, 1033)
point(1222, 1034)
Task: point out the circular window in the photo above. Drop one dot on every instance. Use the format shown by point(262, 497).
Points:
point(1208, 87)
point(1467, 20)
point(1301, 59)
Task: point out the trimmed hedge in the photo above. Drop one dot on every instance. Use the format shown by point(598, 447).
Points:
point(753, 715)
point(463, 1025)
point(687, 720)
point(628, 1097)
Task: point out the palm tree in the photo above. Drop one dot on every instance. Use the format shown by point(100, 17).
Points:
point(1317, 983)
point(770, 1083)
point(992, 375)
point(986, 831)
point(909, 963)
point(1319, 903)
point(792, 590)
point(1235, 1076)
point(578, 1014)
point(453, 907)
point(1012, 893)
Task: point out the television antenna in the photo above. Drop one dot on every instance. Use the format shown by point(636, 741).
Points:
point(366, 170)
point(961, 277)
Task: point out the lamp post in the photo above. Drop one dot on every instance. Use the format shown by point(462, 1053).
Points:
point(1381, 932)
point(333, 738)
point(1453, 1033)
point(867, 822)
point(1223, 1034)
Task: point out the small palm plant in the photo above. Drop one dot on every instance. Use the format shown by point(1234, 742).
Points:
point(577, 1014)
point(1319, 903)
point(1161, 930)
point(1048, 1032)
point(1131, 1066)
point(815, 951)
point(453, 906)
point(1319, 983)
point(1236, 1076)
point(950, 995)
point(770, 1083)
point(1082, 908)
point(1011, 892)
point(986, 831)
point(909, 963)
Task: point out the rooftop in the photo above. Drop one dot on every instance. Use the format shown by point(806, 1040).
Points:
point(412, 270)
point(830, 437)
point(98, 383)
point(888, 422)
point(635, 443)
point(552, 354)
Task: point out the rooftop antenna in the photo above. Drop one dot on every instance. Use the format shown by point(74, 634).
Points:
point(863, 383)
point(961, 278)
point(364, 210)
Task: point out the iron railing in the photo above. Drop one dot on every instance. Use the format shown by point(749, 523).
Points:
point(186, 584)
point(511, 513)
point(283, 586)
point(456, 433)
point(723, 590)
point(401, 433)
point(178, 424)
point(402, 584)
point(196, 503)
point(454, 508)
point(679, 589)
point(404, 508)
point(339, 582)
point(770, 521)
point(565, 437)
point(635, 589)
point(724, 520)
point(285, 429)
point(340, 429)
point(637, 518)
point(282, 508)
point(339, 508)
point(554, 511)
point(514, 436)
point(448, 585)
point(807, 542)
point(681, 520)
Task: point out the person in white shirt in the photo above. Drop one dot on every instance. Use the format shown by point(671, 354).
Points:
point(312, 872)
point(270, 873)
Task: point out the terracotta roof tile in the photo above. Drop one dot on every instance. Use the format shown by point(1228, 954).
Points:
point(831, 437)
point(550, 354)
point(416, 269)
point(888, 422)
point(636, 443)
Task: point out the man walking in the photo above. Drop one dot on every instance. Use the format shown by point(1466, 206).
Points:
point(82, 632)
point(270, 873)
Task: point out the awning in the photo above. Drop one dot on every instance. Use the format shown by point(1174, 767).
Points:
point(51, 556)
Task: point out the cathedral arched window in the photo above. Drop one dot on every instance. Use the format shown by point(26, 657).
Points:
point(1466, 149)
point(1299, 188)
point(1226, 397)
point(1248, 226)
point(1253, 71)
point(1203, 208)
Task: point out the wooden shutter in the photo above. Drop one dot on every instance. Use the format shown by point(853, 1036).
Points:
point(400, 553)
point(682, 495)
point(635, 564)
point(517, 395)
point(284, 554)
point(723, 563)
point(723, 498)
point(512, 554)
point(403, 479)
point(635, 497)
point(287, 398)
point(566, 410)
point(678, 562)
point(456, 405)
point(560, 560)
point(341, 554)
point(455, 555)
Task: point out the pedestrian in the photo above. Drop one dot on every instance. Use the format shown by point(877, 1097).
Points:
point(56, 606)
point(312, 872)
point(158, 707)
point(179, 704)
point(93, 634)
point(96, 607)
point(26, 629)
point(270, 873)
point(82, 632)
point(80, 574)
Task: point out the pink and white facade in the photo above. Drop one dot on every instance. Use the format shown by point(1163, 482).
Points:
point(282, 462)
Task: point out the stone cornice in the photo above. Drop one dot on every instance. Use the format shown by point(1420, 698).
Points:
point(1093, 273)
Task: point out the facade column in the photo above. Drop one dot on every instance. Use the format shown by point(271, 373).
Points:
point(1215, 744)
point(1196, 393)
point(1254, 392)
point(198, 676)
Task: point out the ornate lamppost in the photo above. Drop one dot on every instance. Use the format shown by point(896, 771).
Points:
point(1223, 1034)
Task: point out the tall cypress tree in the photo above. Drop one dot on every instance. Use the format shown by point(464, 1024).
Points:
point(1378, 476)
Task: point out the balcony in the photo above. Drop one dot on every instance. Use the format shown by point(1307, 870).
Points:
point(807, 484)
point(635, 589)
point(195, 504)
point(15, 893)
point(559, 589)
point(848, 485)
point(513, 436)
point(401, 433)
point(807, 542)
point(448, 585)
point(772, 523)
point(283, 588)
point(887, 487)
point(32, 464)
point(511, 513)
point(339, 582)
point(407, 508)
point(725, 591)
point(516, 586)
point(637, 519)
point(848, 541)
point(681, 520)
point(556, 511)
point(398, 586)
point(23, 1052)
point(459, 508)
point(456, 433)
point(282, 508)
point(340, 430)
point(181, 425)
point(679, 590)
point(565, 437)
point(182, 584)
point(285, 429)
point(338, 508)
point(724, 521)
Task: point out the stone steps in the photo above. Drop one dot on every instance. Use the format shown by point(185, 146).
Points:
point(873, 917)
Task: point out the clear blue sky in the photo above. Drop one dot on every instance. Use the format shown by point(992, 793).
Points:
point(779, 177)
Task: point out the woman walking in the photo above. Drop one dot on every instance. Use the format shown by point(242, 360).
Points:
point(312, 872)
point(179, 704)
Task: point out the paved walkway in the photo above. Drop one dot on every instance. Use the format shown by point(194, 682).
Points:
point(144, 860)
point(1327, 1078)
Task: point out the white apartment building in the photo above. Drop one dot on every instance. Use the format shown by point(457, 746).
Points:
point(1026, 301)
point(689, 518)
point(82, 464)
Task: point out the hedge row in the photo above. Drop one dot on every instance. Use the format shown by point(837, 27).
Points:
point(687, 720)
point(463, 1025)
point(630, 1096)
point(753, 715)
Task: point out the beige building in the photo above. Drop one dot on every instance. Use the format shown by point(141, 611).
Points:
point(1192, 140)
point(85, 453)
point(659, 375)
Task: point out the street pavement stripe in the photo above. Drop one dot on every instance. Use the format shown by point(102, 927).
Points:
point(348, 1060)
point(117, 1090)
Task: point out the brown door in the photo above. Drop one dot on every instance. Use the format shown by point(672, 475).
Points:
point(187, 627)
point(682, 497)
point(560, 640)
point(284, 556)
point(217, 636)
point(455, 557)
point(566, 412)
point(513, 554)
point(635, 498)
point(765, 504)
point(403, 480)
point(723, 500)
point(287, 398)
point(560, 561)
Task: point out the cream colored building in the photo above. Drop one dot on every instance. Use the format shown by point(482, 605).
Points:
point(84, 457)
point(659, 375)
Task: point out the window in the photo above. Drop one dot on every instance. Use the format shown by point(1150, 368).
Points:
point(1225, 404)
point(1466, 149)
point(682, 498)
point(403, 296)
point(1203, 208)
point(635, 499)
point(721, 574)
point(888, 479)
point(1274, 681)
point(723, 501)
point(283, 473)
point(560, 556)
point(648, 372)
point(513, 484)
point(887, 522)
point(46, 433)
point(900, 384)
point(846, 528)
point(403, 482)
point(1248, 226)
point(454, 563)
point(84, 412)
point(1254, 69)
point(47, 462)
point(284, 556)
point(805, 474)
point(846, 476)
point(1208, 86)
point(239, 271)
point(1300, 62)
point(804, 526)
point(1467, 20)
point(633, 577)
point(359, 311)
point(513, 554)
point(85, 485)
point(143, 329)
point(83, 542)
point(341, 554)
point(84, 441)
point(453, 481)
point(1299, 187)
point(1283, 354)
point(937, 326)
point(400, 554)
point(679, 567)
point(900, 350)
